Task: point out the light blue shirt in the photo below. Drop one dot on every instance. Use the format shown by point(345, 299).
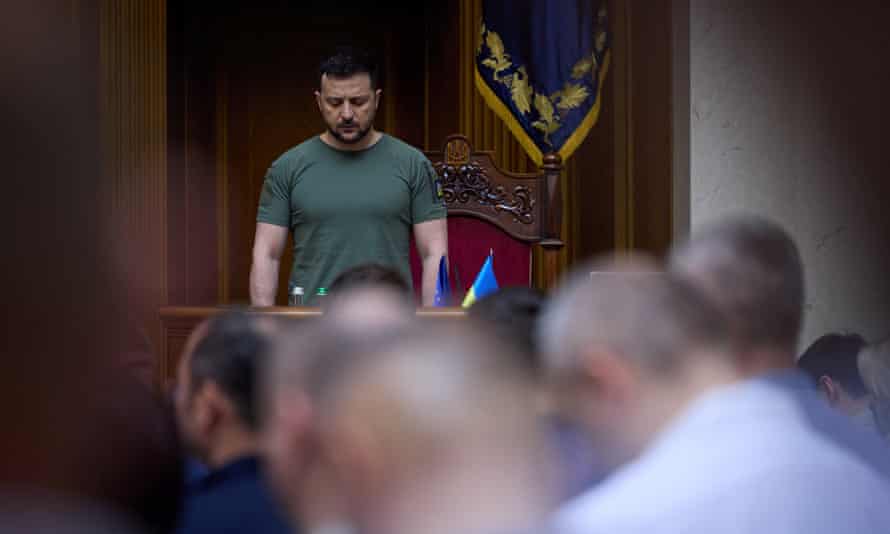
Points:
point(763, 456)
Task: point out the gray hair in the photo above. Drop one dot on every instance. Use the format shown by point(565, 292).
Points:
point(652, 318)
point(751, 269)
point(874, 366)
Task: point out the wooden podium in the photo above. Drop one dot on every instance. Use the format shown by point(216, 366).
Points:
point(177, 322)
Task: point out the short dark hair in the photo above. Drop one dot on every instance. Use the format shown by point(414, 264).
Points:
point(835, 356)
point(347, 61)
point(369, 275)
point(230, 356)
point(512, 313)
point(751, 269)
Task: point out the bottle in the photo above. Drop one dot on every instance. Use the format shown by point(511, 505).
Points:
point(320, 295)
point(295, 298)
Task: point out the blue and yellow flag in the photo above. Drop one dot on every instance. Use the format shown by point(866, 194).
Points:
point(540, 66)
point(485, 283)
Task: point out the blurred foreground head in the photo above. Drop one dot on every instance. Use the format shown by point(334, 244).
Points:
point(368, 307)
point(751, 270)
point(874, 365)
point(512, 313)
point(430, 430)
point(627, 348)
point(370, 275)
point(74, 426)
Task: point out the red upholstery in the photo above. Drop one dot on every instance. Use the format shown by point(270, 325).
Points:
point(469, 242)
point(492, 209)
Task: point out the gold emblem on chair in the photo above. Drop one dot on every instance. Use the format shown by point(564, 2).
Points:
point(457, 152)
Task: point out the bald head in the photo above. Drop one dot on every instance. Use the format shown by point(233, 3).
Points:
point(751, 270)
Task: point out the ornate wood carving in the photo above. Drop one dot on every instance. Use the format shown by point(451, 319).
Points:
point(469, 182)
point(473, 185)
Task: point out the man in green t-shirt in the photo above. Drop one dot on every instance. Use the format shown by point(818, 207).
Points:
point(351, 195)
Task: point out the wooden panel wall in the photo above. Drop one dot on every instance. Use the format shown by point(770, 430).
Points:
point(643, 32)
point(133, 111)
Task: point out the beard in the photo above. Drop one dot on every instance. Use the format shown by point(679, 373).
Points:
point(362, 132)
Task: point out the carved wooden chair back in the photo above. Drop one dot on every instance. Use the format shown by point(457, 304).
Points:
point(493, 210)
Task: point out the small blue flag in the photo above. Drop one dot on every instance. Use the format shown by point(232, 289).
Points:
point(443, 285)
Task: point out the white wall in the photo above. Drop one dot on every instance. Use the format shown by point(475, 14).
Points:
point(789, 119)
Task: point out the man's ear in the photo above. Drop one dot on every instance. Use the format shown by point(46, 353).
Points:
point(377, 95)
point(295, 413)
point(355, 454)
point(318, 99)
point(829, 389)
point(611, 379)
point(211, 407)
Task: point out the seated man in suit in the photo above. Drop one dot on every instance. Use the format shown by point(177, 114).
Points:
point(831, 361)
point(218, 416)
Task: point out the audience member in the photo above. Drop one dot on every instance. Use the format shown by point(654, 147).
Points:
point(432, 430)
point(219, 418)
point(300, 481)
point(751, 269)
point(194, 468)
point(831, 363)
point(874, 365)
point(369, 274)
point(354, 315)
point(734, 439)
point(765, 454)
point(512, 313)
point(626, 354)
point(368, 308)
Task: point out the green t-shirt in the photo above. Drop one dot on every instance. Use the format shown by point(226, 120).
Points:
point(347, 208)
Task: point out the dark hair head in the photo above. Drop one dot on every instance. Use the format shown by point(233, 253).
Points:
point(512, 313)
point(835, 356)
point(751, 269)
point(230, 356)
point(369, 275)
point(348, 61)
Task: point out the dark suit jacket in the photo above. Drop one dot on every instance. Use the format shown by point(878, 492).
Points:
point(232, 499)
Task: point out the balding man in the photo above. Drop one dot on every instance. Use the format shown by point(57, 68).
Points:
point(432, 431)
point(355, 315)
point(751, 270)
point(647, 363)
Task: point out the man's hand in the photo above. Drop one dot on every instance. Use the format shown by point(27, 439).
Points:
point(432, 243)
point(268, 244)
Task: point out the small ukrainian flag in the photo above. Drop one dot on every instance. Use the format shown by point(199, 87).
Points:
point(485, 283)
